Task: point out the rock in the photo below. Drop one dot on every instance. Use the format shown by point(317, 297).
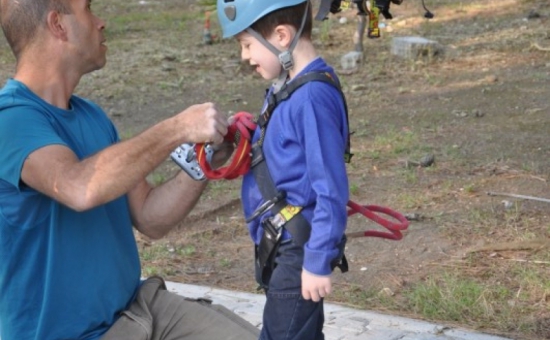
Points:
point(477, 113)
point(416, 48)
point(358, 87)
point(427, 160)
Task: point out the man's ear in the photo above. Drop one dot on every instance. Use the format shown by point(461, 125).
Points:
point(284, 35)
point(56, 25)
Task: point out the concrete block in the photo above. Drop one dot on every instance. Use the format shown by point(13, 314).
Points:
point(416, 48)
point(351, 60)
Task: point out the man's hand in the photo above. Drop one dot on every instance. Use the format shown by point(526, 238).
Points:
point(202, 123)
point(315, 287)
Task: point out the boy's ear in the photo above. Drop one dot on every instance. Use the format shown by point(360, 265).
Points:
point(284, 35)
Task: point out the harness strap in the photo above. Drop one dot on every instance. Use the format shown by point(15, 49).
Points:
point(273, 99)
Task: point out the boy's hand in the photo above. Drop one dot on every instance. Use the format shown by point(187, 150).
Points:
point(315, 287)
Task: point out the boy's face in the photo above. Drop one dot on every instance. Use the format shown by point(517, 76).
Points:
point(252, 50)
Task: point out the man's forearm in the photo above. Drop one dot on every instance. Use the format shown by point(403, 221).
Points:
point(116, 170)
point(166, 205)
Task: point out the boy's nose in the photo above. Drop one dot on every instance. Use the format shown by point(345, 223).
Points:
point(244, 55)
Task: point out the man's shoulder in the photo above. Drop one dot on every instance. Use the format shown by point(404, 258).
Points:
point(14, 94)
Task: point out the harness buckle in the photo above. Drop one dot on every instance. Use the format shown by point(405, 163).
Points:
point(266, 206)
point(272, 231)
point(285, 58)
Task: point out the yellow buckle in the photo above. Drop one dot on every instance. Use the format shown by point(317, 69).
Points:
point(285, 215)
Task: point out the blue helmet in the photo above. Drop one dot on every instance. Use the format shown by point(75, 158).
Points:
point(236, 16)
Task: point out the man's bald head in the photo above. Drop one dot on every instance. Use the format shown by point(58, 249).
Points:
point(20, 20)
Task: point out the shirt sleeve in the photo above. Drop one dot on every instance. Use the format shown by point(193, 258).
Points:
point(323, 122)
point(23, 130)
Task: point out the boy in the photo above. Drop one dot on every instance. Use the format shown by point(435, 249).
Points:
point(298, 171)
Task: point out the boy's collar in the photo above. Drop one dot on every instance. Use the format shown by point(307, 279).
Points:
point(312, 64)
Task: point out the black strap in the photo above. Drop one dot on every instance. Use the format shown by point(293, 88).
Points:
point(286, 91)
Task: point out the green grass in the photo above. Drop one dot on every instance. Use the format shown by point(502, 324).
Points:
point(396, 142)
point(450, 297)
point(147, 21)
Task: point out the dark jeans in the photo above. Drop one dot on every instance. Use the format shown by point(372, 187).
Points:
point(287, 316)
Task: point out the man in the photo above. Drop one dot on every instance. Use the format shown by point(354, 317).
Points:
point(70, 192)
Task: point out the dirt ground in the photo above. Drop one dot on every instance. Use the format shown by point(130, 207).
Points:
point(482, 109)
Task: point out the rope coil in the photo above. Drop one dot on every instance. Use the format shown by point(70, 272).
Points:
point(239, 133)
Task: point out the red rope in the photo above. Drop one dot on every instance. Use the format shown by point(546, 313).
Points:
point(239, 134)
point(370, 211)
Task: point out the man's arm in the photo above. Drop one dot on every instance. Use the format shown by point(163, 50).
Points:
point(156, 211)
point(81, 185)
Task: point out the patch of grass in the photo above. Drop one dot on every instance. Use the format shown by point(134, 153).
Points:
point(146, 21)
point(470, 188)
point(324, 32)
point(154, 252)
point(354, 294)
point(409, 175)
point(396, 142)
point(450, 297)
point(218, 189)
point(410, 200)
point(225, 263)
point(186, 251)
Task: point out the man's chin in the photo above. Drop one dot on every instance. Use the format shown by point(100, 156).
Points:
point(98, 66)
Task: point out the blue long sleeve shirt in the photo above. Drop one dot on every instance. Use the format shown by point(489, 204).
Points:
point(304, 148)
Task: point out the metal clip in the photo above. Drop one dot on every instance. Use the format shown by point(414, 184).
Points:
point(285, 58)
point(266, 206)
point(272, 232)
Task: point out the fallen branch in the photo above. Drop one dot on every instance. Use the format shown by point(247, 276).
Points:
point(532, 198)
point(526, 245)
point(530, 261)
point(540, 48)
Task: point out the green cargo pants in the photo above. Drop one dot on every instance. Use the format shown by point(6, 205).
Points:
point(158, 314)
